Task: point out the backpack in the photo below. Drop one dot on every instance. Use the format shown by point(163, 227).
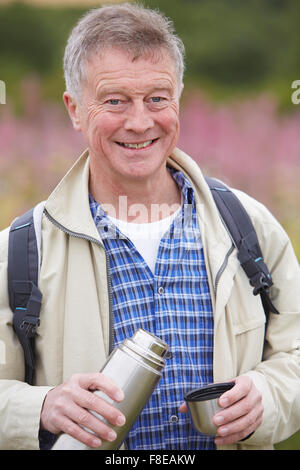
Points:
point(25, 298)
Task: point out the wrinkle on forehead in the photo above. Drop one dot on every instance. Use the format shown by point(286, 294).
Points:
point(149, 54)
point(113, 76)
point(113, 84)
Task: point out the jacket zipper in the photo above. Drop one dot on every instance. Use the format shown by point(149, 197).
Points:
point(222, 268)
point(97, 242)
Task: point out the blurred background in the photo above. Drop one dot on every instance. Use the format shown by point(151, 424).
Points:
point(240, 115)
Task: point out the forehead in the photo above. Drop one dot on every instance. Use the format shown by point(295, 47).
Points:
point(115, 68)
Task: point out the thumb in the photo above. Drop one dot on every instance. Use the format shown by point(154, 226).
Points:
point(183, 408)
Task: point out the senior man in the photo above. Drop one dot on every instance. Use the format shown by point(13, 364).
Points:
point(112, 261)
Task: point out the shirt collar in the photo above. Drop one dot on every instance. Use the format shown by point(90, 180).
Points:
point(183, 183)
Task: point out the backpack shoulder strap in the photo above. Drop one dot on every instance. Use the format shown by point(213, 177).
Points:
point(25, 298)
point(244, 237)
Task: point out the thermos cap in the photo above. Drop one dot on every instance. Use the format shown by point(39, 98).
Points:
point(150, 342)
point(209, 392)
point(202, 405)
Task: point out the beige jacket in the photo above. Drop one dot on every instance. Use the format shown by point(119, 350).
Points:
point(74, 332)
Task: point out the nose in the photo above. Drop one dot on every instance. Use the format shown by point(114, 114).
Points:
point(138, 118)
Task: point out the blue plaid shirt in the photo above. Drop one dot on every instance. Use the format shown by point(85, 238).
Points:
point(174, 304)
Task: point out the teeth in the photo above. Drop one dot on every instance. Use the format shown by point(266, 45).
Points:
point(137, 146)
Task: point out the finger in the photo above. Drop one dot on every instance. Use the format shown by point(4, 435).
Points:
point(91, 401)
point(99, 381)
point(235, 411)
point(75, 431)
point(237, 392)
point(79, 418)
point(243, 422)
point(231, 438)
point(183, 408)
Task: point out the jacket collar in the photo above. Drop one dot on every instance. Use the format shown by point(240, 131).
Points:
point(68, 204)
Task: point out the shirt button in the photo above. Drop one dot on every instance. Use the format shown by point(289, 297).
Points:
point(173, 419)
point(168, 355)
point(161, 290)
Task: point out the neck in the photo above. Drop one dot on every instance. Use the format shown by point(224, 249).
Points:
point(137, 200)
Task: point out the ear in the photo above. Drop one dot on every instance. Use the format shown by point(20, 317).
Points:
point(181, 90)
point(73, 110)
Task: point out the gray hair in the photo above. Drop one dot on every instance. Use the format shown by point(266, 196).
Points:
point(129, 27)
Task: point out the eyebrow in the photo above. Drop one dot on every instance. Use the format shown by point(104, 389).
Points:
point(111, 89)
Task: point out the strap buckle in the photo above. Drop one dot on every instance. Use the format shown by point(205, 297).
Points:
point(30, 324)
point(260, 284)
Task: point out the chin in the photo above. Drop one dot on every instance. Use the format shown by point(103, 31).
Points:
point(143, 171)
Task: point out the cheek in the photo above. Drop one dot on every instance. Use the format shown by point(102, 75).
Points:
point(100, 129)
point(170, 122)
point(171, 117)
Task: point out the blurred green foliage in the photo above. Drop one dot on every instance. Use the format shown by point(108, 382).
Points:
point(232, 46)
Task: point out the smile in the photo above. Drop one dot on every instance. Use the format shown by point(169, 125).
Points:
point(139, 145)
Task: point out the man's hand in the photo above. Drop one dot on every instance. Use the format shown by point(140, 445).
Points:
point(241, 414)
point(66, 406)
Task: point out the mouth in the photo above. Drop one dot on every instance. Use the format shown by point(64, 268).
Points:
point(137, 145)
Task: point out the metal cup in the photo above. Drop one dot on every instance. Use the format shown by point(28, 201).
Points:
point(202, 404)
point(136, 367)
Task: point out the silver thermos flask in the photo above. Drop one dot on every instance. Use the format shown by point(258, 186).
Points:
point(136, 367)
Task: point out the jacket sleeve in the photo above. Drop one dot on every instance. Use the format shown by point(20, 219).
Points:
point(278, 375)
point(20, 403)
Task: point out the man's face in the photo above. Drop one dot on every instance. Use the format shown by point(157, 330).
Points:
point(129, 113)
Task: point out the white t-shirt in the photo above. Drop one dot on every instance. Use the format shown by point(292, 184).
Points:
point(146, 237)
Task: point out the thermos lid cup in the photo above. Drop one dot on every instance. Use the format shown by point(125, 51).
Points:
point(208, 392)
point(202, 404)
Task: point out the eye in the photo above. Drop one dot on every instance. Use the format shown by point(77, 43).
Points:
point(114, 101)
point(158, 102)
point(157, 99)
